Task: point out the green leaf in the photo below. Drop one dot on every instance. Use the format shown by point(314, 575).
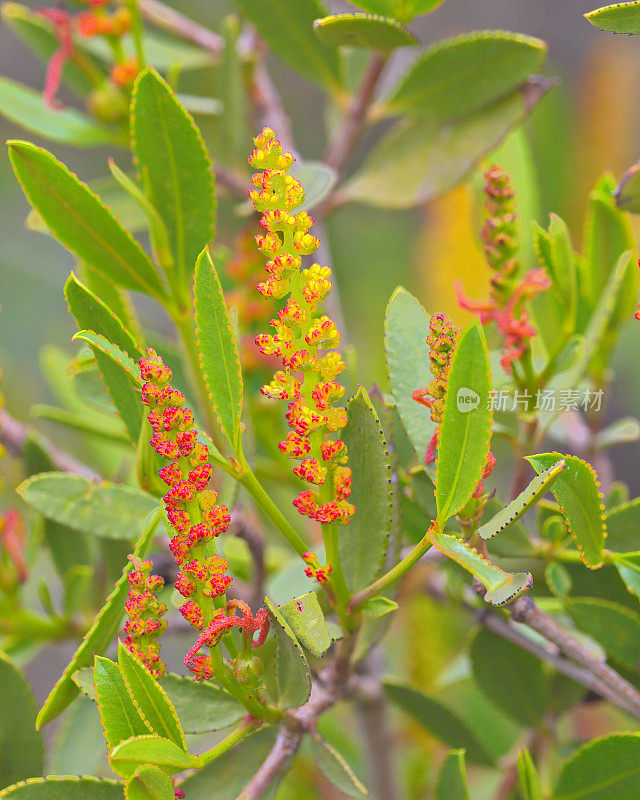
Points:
point(26, 108)
point(201, 706)
point(164, 53)
point(80, 723)
point(63, 788)
point(459, 76)
point(522, 503)
point(576, 490)
point(121, 376)
point(607, 235)
point(419, 158)
point(618, 18)
point(119, 715)
point(150, 698)
point(607, 768)
point(99, 635)
point(149, 783)
point(439, 720)
point(126, 757)
point(465, 433)
point(317, 180)
point(502, 587)
point(105, 509)
point(615, 627)
point(402, 10)
point(530, 785)
point(406, 328)
point(293, 676)
point(452, 781)
point(227, 776)
point(554, 252)
point(21, 748)
point(218, 348)
point(379, 606)
point(558, 579)
point(79, 220)
point(510, 677)
point(306, 620)
point(363, 30)
point(175, 168)
point(102, 428)
point(364, 542)
point(287, 26)
point(335, 768)
point(623, 527)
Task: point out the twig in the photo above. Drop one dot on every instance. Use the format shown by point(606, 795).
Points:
point(171, 20)
point(371, 705)
point(525, 610)
point(344, 142)
point(14, 435)
point(496, 622)
point(299, 721)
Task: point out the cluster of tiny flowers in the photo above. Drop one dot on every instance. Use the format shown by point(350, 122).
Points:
point(190, 505)
point(144, 611)
point(303, 338)
point(98, 21)
point(249, 624)
point(442, 342)
point(314, 569)
point(509, 293)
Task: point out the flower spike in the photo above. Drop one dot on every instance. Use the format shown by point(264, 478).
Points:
point(303, 338)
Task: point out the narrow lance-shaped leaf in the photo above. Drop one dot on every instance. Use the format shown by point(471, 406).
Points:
point(56, 787)
point(79, 220)
point(406, 328)
point(218, 348)
point(363, 30)
point(452, 781)
point(465, 433)
point(576, 490)
point(364, 542)
point(175, 169)
point(617, 18)
point(530, 785)
point(150, 699)
point(293, 676)
point(120, 376)
point(99, 636)
point(502, 587)
point(523, 502)
point(120, 717)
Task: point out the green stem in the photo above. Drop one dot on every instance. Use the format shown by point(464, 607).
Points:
point(248, 480)
point(336, 577)
point(185, 327)
point(245, 727)
point(395, 573)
